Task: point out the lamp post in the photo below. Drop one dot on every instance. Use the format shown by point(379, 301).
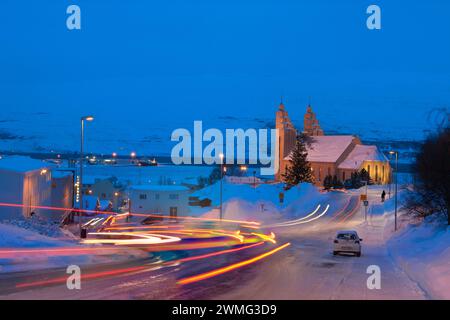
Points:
point(221, 185)
point(133, 156)
point(396, 186)
point(83, 119)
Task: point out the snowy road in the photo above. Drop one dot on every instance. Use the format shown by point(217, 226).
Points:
point(304, 270)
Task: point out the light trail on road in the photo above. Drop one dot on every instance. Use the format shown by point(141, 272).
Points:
point(83, 277)
point(229, 268)
point(139, 238)
point(213, 254)
point(301, 220)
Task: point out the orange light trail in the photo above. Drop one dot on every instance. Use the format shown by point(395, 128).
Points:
point(213, 254)
point(194, 218)
point(12, 253)
point(142, 227)
point(83, 277)
point(229, 268)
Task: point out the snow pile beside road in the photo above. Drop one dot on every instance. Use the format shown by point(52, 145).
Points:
point(423, 252)
point(238, 209)
point(267, 193)
point(38, 225)
point(19, 234)
point(244, 202)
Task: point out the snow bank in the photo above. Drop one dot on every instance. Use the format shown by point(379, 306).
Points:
point(21, 235)
point(245, 202)
point(423, 252)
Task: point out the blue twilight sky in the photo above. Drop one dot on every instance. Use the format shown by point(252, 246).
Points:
point(135, 62)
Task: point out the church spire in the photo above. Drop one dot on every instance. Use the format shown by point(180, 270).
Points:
point(311, 125)
point(281, 106)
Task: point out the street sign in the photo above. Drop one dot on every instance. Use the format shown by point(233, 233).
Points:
point(363, 197)
point(366, 203)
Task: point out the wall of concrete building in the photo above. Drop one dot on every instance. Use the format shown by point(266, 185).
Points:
point(37, 191)
point(11, 186)
point(62, 195)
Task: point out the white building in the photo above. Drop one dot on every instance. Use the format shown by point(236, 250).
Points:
point(24, 182)
point(170, 200)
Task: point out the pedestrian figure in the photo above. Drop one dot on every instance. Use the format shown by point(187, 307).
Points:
point(383, 196)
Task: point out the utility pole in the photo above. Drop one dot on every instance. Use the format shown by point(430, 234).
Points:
point(396, 187)
point(80, 181)
point(221, 186)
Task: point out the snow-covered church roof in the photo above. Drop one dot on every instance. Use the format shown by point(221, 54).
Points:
point(327, 148)
point(361, 153)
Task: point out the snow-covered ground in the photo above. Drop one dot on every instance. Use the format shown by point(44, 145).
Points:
point(262, 203)
point(59, 133)
point(423, 251)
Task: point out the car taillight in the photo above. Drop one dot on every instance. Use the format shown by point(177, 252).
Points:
point(335, 241)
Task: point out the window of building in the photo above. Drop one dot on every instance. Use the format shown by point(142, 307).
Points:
point(156, 196)
point(143, 196)
point(173, 196)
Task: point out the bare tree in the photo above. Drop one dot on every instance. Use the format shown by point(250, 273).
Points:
point(432, 168)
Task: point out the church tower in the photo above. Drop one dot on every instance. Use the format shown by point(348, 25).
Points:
point(286, 136)
point(311, 125)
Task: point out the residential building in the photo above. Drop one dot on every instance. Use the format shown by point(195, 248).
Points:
point(168, 200)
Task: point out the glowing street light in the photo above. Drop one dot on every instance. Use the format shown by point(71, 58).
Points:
point(114, 154)
point(83, 119)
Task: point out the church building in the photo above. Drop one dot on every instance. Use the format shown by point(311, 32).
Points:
point(339, 155)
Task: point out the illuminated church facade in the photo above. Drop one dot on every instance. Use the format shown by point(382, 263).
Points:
point(335, 155)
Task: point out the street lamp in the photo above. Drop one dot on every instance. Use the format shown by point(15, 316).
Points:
point(132, 155)
point(396, 185)
point(83, 119)
point(221, 185)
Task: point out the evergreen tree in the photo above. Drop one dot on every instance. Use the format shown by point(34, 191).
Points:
point(364, 176)
point(327, 182)
point(336, 183)
point(300, 169)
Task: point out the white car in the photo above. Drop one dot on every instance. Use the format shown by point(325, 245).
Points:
point(348, 242)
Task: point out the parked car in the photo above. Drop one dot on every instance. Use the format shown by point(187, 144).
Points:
point(347, 242)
